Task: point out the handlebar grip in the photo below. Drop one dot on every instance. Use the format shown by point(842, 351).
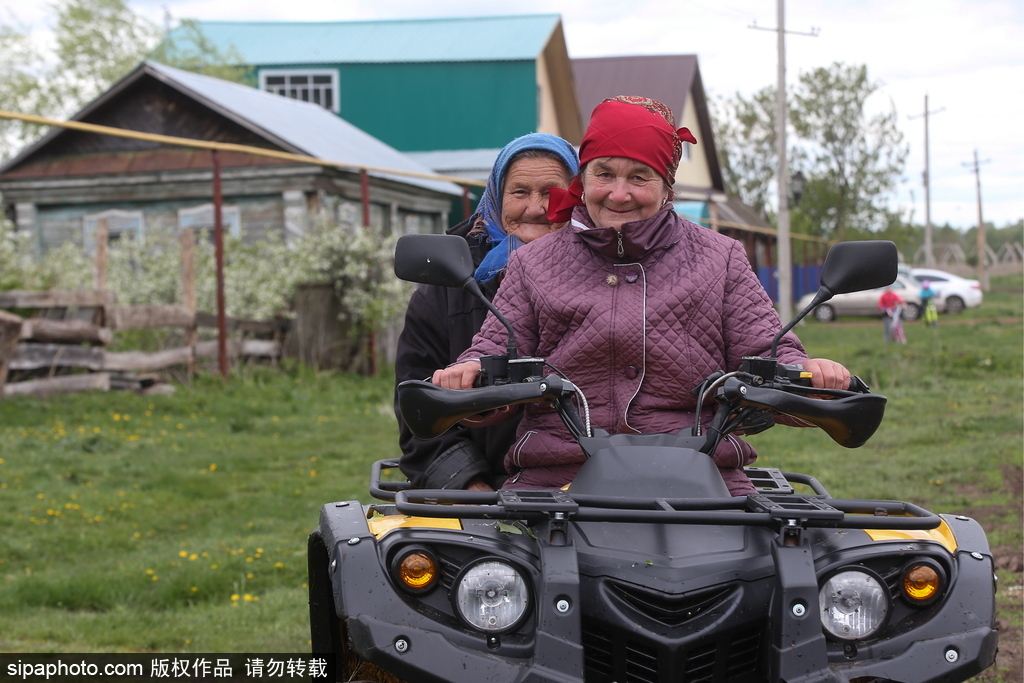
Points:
point(430, 410)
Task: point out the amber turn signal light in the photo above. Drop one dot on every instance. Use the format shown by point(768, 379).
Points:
point(921, 583)
point(417, 571)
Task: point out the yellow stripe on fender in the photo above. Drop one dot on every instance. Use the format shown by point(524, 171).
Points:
point(382, 525)
point(942, 534)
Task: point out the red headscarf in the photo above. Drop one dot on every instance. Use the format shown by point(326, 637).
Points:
point(625, 126)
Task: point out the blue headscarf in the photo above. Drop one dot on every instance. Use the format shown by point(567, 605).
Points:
point(489, 208)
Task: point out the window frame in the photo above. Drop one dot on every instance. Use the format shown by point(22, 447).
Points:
point(334, 85)
point(230, 215)
point(90, 221)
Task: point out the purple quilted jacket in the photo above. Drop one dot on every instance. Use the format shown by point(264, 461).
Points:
point(636, 332)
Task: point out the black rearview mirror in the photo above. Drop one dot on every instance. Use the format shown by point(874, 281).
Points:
point(442, 260)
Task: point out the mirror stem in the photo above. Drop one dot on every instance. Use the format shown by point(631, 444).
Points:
point(824, 294)
point(471, 286)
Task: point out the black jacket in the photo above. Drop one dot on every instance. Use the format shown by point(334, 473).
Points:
point(439, 325)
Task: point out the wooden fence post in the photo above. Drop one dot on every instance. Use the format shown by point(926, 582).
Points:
point(100, 271)
point(10, 330)
point(188, 290)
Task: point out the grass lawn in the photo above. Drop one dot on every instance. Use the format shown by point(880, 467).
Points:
point(178, 523)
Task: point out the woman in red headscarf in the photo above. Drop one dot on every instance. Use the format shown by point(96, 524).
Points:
point(633, 303)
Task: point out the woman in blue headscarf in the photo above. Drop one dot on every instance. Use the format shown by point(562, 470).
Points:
point(440, 322)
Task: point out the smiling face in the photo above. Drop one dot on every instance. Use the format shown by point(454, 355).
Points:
point(524, 197)
point(619, 190)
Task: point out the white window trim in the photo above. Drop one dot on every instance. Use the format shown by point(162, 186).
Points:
point(334, 86)
point(90, 222)
point(231, 218)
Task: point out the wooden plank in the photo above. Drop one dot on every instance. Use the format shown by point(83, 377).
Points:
point(204, 319)
point(55, 298)
point(65, 331)
point(138, 361)
point(145, 317)
point(66, 384)
point(262, 348)
point(38, 356)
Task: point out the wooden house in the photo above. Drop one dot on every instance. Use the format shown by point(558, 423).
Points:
point(420, 85)
point(58, 188)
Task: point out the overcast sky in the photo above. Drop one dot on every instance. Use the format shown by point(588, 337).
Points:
point(966, 55)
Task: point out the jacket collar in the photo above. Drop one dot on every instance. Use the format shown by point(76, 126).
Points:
point(634, 240)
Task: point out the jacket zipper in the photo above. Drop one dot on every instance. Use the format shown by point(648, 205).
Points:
point(622, 250)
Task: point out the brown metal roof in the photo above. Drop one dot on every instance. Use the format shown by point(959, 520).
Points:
point(666, 78)
point(670, 79)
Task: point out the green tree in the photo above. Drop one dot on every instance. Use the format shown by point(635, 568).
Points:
point(746, 137)
point(188, 48)
point(853, 160)
point(97, 42)
point(20, 92)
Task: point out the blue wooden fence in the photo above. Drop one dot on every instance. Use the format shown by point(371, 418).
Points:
point(805, 279)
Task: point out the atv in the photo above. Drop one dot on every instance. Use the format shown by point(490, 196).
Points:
point(645, 569)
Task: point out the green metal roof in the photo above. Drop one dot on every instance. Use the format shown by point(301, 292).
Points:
point(473, 39)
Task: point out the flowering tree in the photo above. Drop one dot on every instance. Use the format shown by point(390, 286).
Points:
point(260, 278)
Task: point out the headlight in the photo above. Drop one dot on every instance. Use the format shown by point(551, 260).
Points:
point(492, 596)
point(854, 605)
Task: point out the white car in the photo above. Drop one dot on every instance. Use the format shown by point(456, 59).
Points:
point(866, 302)
point(955, 293)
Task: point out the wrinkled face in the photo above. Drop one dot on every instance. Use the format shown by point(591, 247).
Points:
point(618, 190)
point(524, 198)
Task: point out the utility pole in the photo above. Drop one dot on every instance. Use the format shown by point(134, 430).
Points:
point(784, 258)
point(929, 251)
point(982, 272)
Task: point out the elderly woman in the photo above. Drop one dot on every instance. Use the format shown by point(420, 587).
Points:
point(440, 322)
point(633, 303)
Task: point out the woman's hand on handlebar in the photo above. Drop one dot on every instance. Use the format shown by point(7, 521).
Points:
point(827, 374)
point(458, 376)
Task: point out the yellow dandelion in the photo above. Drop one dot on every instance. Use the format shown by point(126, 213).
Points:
point(234, 597)
point(183, 553)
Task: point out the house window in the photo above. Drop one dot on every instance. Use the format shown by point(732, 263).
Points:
point(418, 223)
point(319, 86)
point(119, 224)
point(201, 218)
